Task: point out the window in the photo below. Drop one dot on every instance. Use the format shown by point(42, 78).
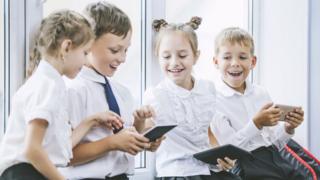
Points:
point(2, 76)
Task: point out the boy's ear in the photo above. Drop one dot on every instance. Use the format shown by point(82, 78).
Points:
point(253, 62)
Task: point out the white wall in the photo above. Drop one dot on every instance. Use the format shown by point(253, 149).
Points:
point(283, 54)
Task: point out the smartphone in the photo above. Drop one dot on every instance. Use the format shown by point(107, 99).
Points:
point(157, 131)
point(286, 109)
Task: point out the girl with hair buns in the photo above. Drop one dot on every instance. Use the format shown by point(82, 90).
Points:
point(183, 100)
point(38, 137)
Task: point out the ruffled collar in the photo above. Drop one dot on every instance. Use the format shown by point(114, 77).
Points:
point(182, 92)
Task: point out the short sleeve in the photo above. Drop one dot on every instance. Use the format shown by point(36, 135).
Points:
point(43, 101)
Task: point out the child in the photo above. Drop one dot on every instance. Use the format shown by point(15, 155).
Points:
point(106, 154)
point(183, 100)
point(38, 135)
point(248, 119)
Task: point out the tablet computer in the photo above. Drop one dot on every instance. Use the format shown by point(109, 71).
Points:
point(157, 131)
point(286, 109)
point(210, 156)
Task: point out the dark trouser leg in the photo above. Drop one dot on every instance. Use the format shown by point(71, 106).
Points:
point(22, 171)
point(267, 165)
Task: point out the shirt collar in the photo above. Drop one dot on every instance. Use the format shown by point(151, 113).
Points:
point(227, 91)
point(182, 92)
point(91, 75)
point(47, 69)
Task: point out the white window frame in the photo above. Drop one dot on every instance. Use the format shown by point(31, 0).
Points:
point(14, 51)
point(313, 74)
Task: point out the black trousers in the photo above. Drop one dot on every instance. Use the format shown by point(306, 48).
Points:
point(223, 175)
point(267, 164)
point(118, 177)
point(22, 171)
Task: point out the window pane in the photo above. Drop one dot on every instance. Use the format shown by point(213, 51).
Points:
point(129, 73)
point(216, 15)
point(1, 69)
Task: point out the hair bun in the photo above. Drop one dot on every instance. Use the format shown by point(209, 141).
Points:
point(158, 24)
point(194, 22)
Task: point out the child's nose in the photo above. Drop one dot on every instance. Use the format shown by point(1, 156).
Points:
point(174, 60)
point(235, 62)
point(122, 57)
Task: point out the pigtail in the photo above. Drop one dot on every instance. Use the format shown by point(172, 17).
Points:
point(34, 56)
point(194, 22)
point(158, 24)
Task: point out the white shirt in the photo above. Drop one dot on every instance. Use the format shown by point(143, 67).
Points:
point(42, 96)
point(234, 124)
point(87, 97)
point(192, 110)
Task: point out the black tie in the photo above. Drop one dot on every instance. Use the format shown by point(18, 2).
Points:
point(111, 99)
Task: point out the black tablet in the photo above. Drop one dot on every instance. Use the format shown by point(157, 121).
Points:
point(157, 131)
point(210, 156)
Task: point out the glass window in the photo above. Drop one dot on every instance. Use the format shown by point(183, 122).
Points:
point(215, 15)
point(129, 73)
point(2, 77)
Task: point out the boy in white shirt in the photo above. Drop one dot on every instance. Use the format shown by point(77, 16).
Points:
point(248, 119)
point(103, 153)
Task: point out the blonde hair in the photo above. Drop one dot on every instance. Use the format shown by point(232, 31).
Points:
point(107, 18)
point(55, 28)
point(234, 35)
point(162, 27)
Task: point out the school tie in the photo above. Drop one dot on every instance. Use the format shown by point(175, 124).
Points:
point(111, 99)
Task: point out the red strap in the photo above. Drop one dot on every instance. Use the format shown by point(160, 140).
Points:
point(311, 155)
point(295, 155)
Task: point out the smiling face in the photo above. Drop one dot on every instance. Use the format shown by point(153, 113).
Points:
point(108, 52)
point(176, 58)
point(234, 62)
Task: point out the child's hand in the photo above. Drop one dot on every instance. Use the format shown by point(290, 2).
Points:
point(143, 113)
point(155, 145)
point(267, 116)
point(130, 141)
point(227, 164)
point(293, 120)
point(109, 120)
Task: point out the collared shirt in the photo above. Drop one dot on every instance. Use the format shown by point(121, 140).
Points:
point(42, 96)
point(234, 122)
point(192, 110)
point(87, 97)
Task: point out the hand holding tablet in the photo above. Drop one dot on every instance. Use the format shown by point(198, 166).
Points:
point(210, 156)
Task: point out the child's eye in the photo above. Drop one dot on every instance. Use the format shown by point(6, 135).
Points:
point(182, 56)
point(227, 57)
point(166, 57)
point(85, 53)
point(243, 57)
point(114, 51)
